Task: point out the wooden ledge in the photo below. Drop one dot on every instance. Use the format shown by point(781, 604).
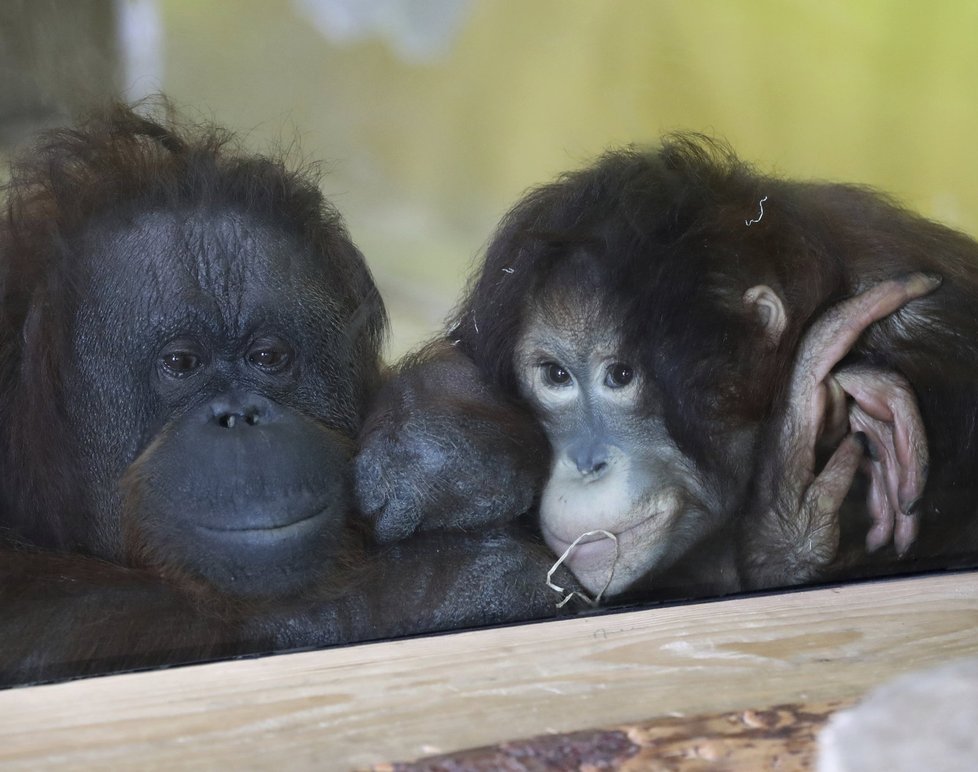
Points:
point(399, 700)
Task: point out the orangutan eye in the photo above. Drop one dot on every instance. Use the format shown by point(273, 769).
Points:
point(179, 359)
point(555, 374)
point(270, 355)
point(619, 374)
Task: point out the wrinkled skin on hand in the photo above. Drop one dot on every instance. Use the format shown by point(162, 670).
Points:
point(791, 531)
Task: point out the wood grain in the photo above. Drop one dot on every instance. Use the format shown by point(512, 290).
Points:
point(781, 738)
point(400, 700)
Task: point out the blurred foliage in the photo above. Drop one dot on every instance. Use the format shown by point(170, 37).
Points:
point(425, 153)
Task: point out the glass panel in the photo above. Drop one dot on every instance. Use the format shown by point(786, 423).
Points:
point(670, 375)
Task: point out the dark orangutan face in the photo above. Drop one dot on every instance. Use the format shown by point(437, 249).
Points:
point(615, 467)
point(210, 395)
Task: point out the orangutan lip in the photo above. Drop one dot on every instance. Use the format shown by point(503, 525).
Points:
point(270, 529)
point(564, 544)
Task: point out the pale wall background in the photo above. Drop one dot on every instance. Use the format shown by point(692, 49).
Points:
point(433, 116)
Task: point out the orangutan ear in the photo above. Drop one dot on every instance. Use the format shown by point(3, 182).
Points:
point(769, 309)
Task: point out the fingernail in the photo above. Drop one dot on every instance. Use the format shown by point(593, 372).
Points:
point(930, 279)
point(827, 504)
point(874, 540)
point(868, 449)
point(913, 508)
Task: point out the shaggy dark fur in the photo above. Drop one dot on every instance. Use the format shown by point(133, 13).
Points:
point(671, 238)
point(189, 342)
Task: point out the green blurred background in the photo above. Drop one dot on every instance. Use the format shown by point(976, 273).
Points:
point(433, 116)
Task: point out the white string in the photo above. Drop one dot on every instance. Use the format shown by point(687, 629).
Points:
point(760, 217)
point(611, 574)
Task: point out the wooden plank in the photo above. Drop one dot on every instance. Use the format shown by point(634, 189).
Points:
point(360, 705)
point(781, 738)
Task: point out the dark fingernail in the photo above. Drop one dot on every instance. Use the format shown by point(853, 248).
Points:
point(915, 507)
point(867, 446)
